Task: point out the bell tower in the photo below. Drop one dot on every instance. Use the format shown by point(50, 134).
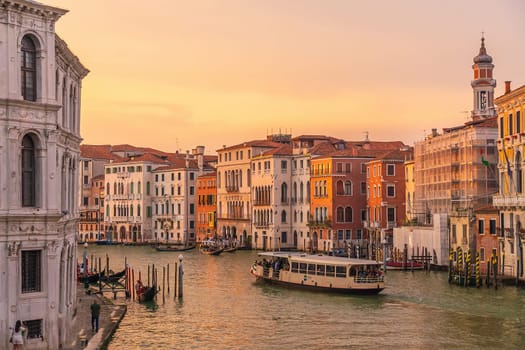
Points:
point(483, 85)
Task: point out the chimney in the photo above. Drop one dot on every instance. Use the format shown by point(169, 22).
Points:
point(434, 132)
point(507, 86)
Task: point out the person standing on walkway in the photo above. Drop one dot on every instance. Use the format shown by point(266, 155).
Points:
point(18, 336)
point(95, 313)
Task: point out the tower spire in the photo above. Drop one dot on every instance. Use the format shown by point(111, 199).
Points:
point(483, 84)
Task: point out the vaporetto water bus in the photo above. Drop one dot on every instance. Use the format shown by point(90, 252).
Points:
point(319, 272)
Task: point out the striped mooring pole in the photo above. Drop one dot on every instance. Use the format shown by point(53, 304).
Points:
point(450, 258)
point(478, 277)
point(467, 273)
point(460, 264)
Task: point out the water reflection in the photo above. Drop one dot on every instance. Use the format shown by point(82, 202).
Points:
point(223, 308)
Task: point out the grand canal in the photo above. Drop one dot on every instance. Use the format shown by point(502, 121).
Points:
point(223, 308)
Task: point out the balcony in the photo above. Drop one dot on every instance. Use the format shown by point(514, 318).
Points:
point(514, 200)
point(232, 188)
point(320, 223)
point(391, 224)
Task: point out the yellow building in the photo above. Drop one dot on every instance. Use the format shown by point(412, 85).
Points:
point(511, 199)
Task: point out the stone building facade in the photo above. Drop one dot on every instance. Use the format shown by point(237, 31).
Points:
point(39, 154)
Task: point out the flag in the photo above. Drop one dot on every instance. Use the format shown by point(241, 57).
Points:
point(509, 170)
point(484, 161)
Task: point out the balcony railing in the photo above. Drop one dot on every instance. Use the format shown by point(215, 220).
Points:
point(516, 200)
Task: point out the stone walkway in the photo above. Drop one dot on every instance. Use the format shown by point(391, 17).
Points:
point(81, 336)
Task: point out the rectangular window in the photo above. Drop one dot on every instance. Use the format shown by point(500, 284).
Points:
point(192, 176)
point(108, 170)
point(340, 235)
point(454, 240)
point(86, 165)
point(192, 208)
point(284, 237)
point(96, 201)
point(148, 211)
point(363, 187)
point(348, 234)
point(86, 201)
point(156, 177)
point(481, 254)
point(481, 226)
point(34, 328)
point(391, 191)
point(162, 177)
point(31, 271)
point(339, 168)
point(511, 131)
point(192, 190)
point(172, 177)
point(391, 214)
point(348, 168)
point(492, 226)
point(178, 176)
point(359, 234)
point(192, 224)
point(501, 131)
point(363, 214)
point(390, 170)
point(86, 180)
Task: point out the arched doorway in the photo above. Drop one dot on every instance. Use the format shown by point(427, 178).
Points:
point(122, 233)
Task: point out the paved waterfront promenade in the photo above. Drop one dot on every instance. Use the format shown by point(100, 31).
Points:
point(111, 314)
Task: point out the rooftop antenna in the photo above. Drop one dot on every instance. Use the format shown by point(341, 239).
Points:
point(366, 136)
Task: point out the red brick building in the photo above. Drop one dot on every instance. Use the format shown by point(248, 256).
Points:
point(386, 207)
point(487, 234)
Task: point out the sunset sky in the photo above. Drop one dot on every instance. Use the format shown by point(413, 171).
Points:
point(174, 74)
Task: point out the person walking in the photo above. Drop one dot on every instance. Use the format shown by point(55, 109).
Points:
point(18, 336)
point(95, 313)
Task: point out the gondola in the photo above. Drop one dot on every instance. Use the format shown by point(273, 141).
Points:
point(147, 294)
point(174, 248)
point(114, 277)
point(91, 278)
point(211, 250)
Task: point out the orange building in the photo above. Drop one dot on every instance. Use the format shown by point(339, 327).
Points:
point(91, 224)
point(206, 206)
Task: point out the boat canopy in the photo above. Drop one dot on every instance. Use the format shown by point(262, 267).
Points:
point(319, 258)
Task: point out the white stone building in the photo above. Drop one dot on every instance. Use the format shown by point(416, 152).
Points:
point(39, 152)
point(280, 199)
point(173, 204)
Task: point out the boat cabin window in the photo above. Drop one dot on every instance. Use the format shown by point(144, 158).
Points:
point(302, 268)
point(320, 270)
point(330, 270)
point(311, 269)
point(295, 267)
point(340, 271)
point(352, 272)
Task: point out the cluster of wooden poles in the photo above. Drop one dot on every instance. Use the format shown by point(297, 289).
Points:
point(466, 272)
point(153, 280)
point(127, 286)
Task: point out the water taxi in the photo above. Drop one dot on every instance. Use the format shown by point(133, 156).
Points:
point(320, 272)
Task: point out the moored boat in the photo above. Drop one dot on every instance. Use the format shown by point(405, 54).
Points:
point(147, 294)
point(401, 265)
point(320, 272)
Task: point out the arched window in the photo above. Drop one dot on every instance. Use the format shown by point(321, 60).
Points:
point(294, 195)
point(114, 188)
point(131, 210)
point(340, 188)
point(64, 104)
point(107, 210)
point(348, 188)
point(138, 210)
point(284, 193)
point(348, 214)
point(283, 216)
point(148, 188)
point(28, 69)
point(28, 172)
point(139, 187)
point(340, 214)
point(107, 188)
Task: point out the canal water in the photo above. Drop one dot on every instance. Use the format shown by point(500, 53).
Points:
point(223, 308)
